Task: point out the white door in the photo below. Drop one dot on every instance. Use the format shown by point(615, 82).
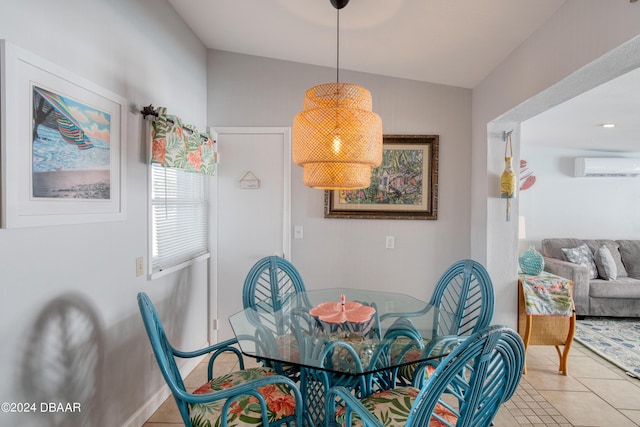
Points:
point(252, 209)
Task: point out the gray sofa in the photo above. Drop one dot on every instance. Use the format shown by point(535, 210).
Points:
point(599, 296)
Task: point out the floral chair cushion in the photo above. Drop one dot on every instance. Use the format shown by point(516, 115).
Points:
point(407, 372)
point(245, 410)
point(392, 408)
point(402, 348)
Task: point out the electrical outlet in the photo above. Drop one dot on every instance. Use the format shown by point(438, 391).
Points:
point(390, 242)
point(389, 306)
point(139, 266)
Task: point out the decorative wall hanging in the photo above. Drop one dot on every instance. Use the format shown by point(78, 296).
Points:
point(249, 181)
point(63, 145)
point(337, 139)
point(527, 178)
point(176, 145)
point(404, 186)
point(508, 180)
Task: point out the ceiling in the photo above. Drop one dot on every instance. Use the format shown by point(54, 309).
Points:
point(456, 43)
point(577, 123)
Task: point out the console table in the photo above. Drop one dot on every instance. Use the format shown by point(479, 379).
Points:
point(547, 329)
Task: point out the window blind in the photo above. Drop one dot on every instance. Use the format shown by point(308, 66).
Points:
point(180, 218)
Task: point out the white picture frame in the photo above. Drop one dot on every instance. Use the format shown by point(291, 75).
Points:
point(63, 145)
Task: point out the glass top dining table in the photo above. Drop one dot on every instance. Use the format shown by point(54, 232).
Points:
point(344, 331)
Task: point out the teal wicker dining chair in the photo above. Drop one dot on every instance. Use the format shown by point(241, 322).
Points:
point(482, 373)
point(255, 396)
point(269, 284)
point(466, 290)
point(465, 296)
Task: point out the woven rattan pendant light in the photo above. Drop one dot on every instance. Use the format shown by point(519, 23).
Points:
point(337, 139)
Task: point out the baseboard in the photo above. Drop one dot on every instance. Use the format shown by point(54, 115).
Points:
point(144, 413)
point(150, 406)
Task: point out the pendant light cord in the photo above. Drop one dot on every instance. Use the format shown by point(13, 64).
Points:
point(338, 46)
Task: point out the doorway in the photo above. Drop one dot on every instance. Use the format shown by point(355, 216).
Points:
point(252, 213)
point(499, 246)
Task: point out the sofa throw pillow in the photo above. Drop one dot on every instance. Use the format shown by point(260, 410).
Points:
point(607, 268)
point(630, 252)
point(614, 248)
point(582, 255)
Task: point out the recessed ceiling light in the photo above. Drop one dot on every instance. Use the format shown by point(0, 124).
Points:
point(609, 125)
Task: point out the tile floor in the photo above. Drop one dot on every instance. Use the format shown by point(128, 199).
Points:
point(594, 394)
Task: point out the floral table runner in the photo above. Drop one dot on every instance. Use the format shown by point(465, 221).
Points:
point(546, 294)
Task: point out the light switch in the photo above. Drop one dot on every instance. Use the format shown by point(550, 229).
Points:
point(298, 232)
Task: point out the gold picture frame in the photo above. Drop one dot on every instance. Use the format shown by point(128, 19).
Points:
point(404, 186)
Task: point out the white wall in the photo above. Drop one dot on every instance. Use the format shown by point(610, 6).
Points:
point(142, 51)
point(560, 205)
point(544, 71)
point(253, 91)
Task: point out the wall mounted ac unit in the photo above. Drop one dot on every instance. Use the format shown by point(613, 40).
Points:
point(607, 166)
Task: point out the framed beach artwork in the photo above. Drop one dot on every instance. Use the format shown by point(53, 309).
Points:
point(404, 186)
point(63, 145)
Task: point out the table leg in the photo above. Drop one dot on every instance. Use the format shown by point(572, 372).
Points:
point(313, 386)
point(527, 336)
point(567, 344)
point(560, 356)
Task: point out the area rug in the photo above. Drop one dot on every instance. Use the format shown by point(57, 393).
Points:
point(617, 340)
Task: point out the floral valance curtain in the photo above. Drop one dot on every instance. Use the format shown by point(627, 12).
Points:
point(181, 146)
